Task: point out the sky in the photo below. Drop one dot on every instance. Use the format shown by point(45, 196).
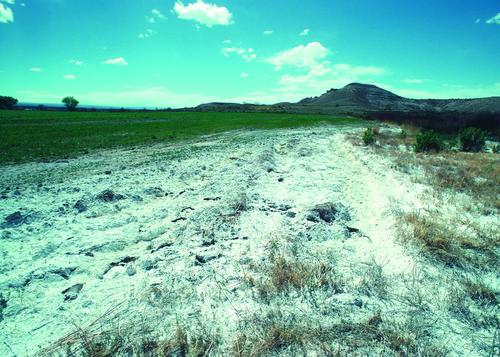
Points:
point(168, 53)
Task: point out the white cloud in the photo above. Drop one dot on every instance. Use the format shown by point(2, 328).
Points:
point(227, 42)
point(11, 2)
point(77, 62)
point(247, 54)
point(305, 32)
point(157, 14)
point(36, 69)
point(146, 34)
point(70, 76)
point(6, 14)
point(413, 81)
point(268, 32)
point(120, 61)
point(300, 56)
point(494, 20)
point(244, 75)
point(203, 13)
point(478, 20)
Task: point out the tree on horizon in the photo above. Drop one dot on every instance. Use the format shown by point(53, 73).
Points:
point(70, 102)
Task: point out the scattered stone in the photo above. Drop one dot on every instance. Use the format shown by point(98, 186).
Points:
point(14, 220)
point(212, 198)
point(72, 292)
point(148, 264)
point(328, 212)
point(281, 179)
point(161, 246)
point(80, 206)
point(155, 191)
point(291, 214)
point(3, 305)
point(109, 196)
point(122, 262)
point(358, 303)
point(63, 272)
point(108, 172)
point(208, 242)
point(131, 270)
point(89, 254)
point(205, 258)
point(353, 229)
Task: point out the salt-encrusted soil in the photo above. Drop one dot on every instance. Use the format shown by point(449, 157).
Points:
point(170, 235)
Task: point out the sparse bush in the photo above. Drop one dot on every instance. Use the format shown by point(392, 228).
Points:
point(403, 134)
point(368, 136)
point(496, 149)
point(472, 139)
point(429, 141)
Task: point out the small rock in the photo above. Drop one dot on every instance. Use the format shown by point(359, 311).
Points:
point(3, 305)
point(80, 206)
point(205, 258)
point(13, 220)
point(358, 303)
point(155, 191)
point(328, 212)
point(72, 292)
point(281, 179)
point(109, 196)
point(131, 270)
point(208, 242)
point(352, 229)
point(148, 264)
point(108, 172)
point(291, 214)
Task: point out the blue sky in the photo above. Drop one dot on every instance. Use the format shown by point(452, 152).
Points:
point(168, 53)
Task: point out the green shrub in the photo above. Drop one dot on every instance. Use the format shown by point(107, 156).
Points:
point(368, 136)
point(472, 139)
point(403, 134)
point(496, 149)
point(429, 141)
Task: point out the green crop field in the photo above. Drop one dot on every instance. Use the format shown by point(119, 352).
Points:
point(43, 135)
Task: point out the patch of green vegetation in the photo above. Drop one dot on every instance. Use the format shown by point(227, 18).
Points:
point(429, 141)
point(368, 136)
point(472, 139)
point(44, 135)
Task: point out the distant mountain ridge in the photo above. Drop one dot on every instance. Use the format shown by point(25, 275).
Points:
point(371, 102)
point(371, 97)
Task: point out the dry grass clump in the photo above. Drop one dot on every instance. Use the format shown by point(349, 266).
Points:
point(276, 334)
point(472, 307)
point(120, 342)
point(447, 242)
point(476, 174)
point(283, 274)
point(285, 270)
point(374, 281)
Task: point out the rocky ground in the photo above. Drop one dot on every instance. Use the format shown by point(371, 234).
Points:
point(248, 243)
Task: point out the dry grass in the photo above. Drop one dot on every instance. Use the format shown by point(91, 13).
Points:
point(476, 174)
point(449, 242)
point(284, 270)
point(275, 335)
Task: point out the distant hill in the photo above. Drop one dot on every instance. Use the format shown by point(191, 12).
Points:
point(372, 102)
point(369, 97)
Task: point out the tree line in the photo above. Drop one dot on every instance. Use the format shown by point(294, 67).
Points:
point(9, 103)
